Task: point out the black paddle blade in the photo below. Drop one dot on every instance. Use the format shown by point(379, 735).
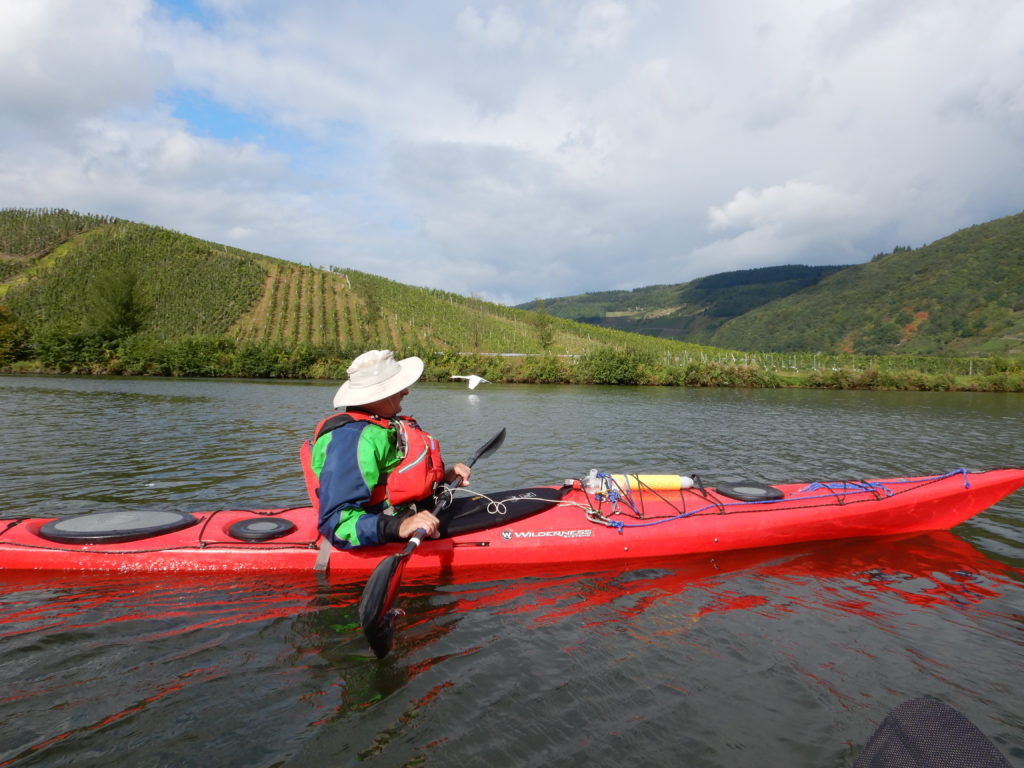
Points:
point(492, 445)
point(925, 733)
point(376, 614)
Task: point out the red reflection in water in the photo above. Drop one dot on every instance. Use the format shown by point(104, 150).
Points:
point(850, 577)
point(33, 602)
point(862, 578)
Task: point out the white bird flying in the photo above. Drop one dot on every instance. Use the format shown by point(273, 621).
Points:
point(474, 380)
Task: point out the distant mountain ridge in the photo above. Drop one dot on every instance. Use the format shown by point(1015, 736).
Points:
point(960, 295)
point(690, 311)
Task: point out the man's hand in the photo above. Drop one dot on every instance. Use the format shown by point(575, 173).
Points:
point(425, 520)
point(461, 472)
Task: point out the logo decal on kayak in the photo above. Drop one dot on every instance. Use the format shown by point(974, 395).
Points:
point(577, 534)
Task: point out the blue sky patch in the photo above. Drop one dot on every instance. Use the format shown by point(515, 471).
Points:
point(194, 10)
point(215, 120)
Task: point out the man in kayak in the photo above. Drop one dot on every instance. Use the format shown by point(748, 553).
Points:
point(372, 472)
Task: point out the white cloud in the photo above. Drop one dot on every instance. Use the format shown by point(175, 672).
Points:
point(496, 29)
point(797, 222)
point(522, 149)
point(601, 25)
point(60, 66)
point(795, 205)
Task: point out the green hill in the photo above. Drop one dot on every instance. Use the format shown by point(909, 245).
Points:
point(69, 280)
point(687, 311)
point(962, 295)
point(93, 294)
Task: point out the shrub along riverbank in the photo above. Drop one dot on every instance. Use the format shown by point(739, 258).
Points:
point(216, 356)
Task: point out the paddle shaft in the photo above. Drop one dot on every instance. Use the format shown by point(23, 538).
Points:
point(492, 445)
point(419, 533)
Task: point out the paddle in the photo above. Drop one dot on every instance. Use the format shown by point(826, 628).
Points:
point(925, 732)
point(375, 606)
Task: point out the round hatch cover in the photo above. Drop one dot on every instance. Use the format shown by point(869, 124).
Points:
point(115, 527)
point(261, 528)
point(746, 491)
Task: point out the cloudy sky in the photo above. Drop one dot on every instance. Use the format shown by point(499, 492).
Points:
point(521, 149)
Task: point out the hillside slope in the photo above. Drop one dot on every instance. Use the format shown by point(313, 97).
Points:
point(64, 273)
point(961, 295)
point(67, 276)
point(687, 311)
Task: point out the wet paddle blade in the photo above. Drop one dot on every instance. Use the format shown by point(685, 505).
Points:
point(376, 614)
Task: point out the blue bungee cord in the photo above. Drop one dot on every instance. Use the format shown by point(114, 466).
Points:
point(832, 490)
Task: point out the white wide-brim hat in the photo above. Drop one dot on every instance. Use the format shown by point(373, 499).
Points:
point(375, 375)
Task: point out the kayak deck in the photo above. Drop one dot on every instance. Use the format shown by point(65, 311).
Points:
point(617, 524)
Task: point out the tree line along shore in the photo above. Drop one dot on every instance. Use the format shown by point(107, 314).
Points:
point(220, 357)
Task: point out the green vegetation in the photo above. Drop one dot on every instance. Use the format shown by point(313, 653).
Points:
point(104, 296)
point(26, 235)
point(962, 295)
point(685, 311)
point(187, 286)
point(129, 298)
point(35, 232)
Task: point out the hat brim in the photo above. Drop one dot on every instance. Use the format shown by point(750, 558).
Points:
point(409, 371)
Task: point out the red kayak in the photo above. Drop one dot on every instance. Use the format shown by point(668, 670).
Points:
point(610, 519)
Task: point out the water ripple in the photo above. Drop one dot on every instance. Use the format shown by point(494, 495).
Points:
point(782, 656)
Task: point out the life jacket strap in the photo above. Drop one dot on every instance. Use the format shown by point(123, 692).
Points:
point(323, 557)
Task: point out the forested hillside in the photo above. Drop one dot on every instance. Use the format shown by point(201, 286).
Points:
point(82, 273)
point(686, 311)
point(963, 294)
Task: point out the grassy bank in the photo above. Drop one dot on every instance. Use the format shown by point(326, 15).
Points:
point(217, 356)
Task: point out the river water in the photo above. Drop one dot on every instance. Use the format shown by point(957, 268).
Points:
point(777, 657)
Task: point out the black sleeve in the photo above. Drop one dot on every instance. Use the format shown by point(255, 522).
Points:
point(388, 526)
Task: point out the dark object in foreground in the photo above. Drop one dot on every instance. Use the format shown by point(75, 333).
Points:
point(925, 733)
